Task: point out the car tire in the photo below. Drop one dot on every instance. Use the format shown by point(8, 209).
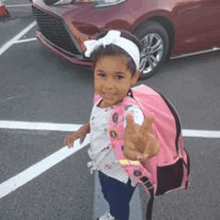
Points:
point(155, 41)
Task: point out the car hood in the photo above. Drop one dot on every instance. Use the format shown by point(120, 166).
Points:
point(62, 10)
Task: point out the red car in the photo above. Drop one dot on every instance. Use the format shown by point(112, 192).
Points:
point(166, 28)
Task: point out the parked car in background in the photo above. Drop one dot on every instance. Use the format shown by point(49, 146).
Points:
point(166, 28)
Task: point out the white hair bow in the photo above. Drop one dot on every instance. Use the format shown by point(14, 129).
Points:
point(113, 37)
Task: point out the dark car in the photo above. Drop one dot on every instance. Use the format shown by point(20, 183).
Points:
point(166, 28)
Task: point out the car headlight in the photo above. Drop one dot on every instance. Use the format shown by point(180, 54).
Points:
point(102, 3)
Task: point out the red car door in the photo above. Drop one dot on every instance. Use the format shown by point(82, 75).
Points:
point(212, 8)
point(197, 25)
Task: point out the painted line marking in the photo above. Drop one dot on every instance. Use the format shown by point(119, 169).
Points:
point(16, 38)
point(38, 126)
point(73, 127)
point(21, 5)
point(25, 40)
point(35, 170)
point(201, 133)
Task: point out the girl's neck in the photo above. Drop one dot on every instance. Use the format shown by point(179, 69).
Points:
point(102, 105)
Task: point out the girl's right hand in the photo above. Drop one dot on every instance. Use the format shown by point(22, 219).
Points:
point(69, 139)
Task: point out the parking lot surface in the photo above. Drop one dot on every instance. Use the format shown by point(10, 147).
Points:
point(36, 86)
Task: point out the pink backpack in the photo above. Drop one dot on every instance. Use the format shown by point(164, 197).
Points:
point(167, 171)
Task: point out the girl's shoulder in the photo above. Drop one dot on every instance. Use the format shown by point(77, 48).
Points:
point(136, 113)
point(128, 106)
point(131, 105)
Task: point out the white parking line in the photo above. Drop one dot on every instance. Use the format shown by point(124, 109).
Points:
point(73, 127)
point(17, 37)
point(201, 133)
point(39, 168)
point(25, 40)
point(38, 126)
point(21, 5)
point(45, 164)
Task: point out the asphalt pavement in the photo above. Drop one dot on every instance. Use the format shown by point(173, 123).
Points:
point(38, 86)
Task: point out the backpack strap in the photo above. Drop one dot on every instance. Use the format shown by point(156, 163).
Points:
point(177, 120)
point(150, 189)
point(149, 186)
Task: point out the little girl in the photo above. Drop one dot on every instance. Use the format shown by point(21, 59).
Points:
point(116, 57)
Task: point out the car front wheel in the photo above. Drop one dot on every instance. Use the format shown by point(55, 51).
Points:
point(155, 45)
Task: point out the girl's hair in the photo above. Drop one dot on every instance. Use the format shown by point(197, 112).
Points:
point(113, 50)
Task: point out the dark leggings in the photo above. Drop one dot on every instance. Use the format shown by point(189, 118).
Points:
point(118, 195)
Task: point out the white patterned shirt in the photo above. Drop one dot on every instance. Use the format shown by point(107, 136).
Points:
point(102, 155)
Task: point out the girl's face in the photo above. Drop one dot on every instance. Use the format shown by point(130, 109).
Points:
point(112, 79)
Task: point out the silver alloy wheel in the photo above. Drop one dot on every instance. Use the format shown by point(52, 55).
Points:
point(153, 49)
